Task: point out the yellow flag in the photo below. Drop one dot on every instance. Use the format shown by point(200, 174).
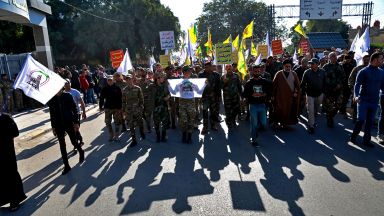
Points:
point(228, 40)
point(209, 43)
point(299, 29)
point(241, 65)
point(253, 49)
point(235, 43)
point(188, 60)
point(248, 31)
point(244, 44)
point(300, 51)
point(193, 34)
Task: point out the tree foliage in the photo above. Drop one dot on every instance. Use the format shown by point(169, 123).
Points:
point(332, 25)
point(224, 17)
point(134, 24)
point(15, 38)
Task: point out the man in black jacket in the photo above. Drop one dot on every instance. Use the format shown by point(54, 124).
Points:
point(110, 100)
point(257, 91)
point(64, 119)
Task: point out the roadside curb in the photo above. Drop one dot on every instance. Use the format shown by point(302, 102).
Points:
point(44, 130)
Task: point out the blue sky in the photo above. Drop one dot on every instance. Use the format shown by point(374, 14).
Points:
point(188, 10)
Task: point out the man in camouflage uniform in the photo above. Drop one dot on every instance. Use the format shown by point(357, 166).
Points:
point(119, 82)
point(7, 93)
point(144, 83)
point(211, 97)
point(187, 113)
point(173, 101)
point(160, 110)
point(231, 85)
point(133, 106)
point(334, 79)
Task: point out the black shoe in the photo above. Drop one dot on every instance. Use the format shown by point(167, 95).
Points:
point(214, 128)
point(352, 139)
point(189, 137)
point(368, 144)
point(311, 130)
point(133, 143)
point(164, 136)
point(255, 143)
point(81, 155)
point(66, 170)
point(14, 207)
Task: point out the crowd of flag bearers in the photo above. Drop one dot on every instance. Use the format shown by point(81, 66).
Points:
point(274, 91)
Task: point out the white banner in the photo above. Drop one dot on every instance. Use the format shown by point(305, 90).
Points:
point(187, 88)
point(126, 64)
point(167, 40)
point(37, 81)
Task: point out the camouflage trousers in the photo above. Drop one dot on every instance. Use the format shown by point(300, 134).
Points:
point(187, 114)
point(160, 116)
point(332, 103)
point(147, 115)
point(134, 117)
point(174, 106)
point(117, 116)
point(213, 105)
point(19, 103)
point(232, 109)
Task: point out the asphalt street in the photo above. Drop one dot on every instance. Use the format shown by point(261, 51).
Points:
point(291, 173)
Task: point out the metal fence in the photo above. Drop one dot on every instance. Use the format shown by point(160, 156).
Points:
point(12, 64)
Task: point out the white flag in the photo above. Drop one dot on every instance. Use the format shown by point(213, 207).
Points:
point(354, 42)
point(258, 60)
point(126, 64)
point(362, 45)
point(270, 53)
point(37, 81)
point(294, 58)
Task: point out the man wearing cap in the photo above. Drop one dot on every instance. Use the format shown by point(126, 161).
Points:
point(187, 113)
point(285, 95)
point(133, 106)
point(257, 91)
point(312, 86)
point(111, 102)
point(211, 97)
point(333, 88)
point(120, 82)
point(79, 102)
point(160, 111)
point(232, 89)
point(144, 83)
point(369, 82)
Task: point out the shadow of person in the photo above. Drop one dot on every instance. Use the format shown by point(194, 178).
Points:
point(183, 183)
point(277, 183)
point(216, 156)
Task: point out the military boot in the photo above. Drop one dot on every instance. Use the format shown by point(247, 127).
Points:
point(164, 136)
point(184, 137)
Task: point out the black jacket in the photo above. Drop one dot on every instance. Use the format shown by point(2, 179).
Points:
point(63, 111)
point(112, 96)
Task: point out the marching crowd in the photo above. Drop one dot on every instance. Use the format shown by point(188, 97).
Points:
point(275, 92)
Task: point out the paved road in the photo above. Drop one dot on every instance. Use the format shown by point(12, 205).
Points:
point(292, 173)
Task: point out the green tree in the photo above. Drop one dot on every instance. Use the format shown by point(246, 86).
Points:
point(224, 17)
point(90, 29)
point(332, 25)
point(15, 38)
